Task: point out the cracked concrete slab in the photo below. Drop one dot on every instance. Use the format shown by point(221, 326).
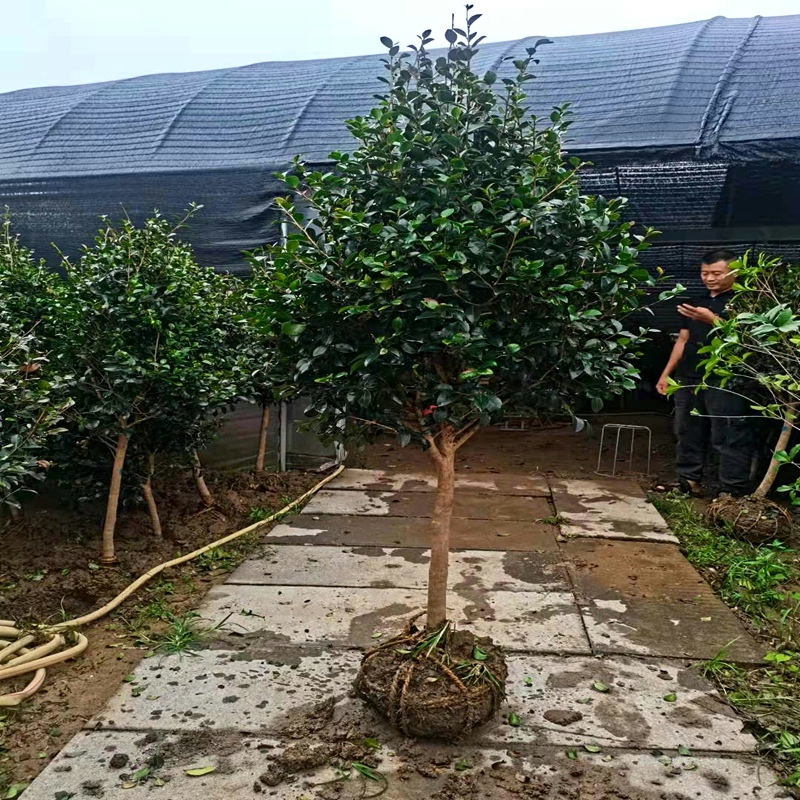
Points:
point(401, 568)
point(372, 531)
point(646, 598)
point(615, 509)
point(532, 485)
point(518, 621)
point(238, 761)
point(468, 505)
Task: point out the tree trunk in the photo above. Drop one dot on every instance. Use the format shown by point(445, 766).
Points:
point(440, 531)
point(147, 492)
point(108, 555)
point(775, 465)
point(200, 481)
point(262, 439)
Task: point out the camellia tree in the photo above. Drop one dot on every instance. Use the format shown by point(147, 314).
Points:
point(32, 394)
point(145, 332)
point(756, 350)
point(448, 270)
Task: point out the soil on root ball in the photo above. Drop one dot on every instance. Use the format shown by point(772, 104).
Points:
point(431, 688)
point(756, 520)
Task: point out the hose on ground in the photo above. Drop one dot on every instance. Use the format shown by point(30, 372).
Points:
point(17, 658)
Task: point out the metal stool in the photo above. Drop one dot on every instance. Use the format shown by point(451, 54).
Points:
point(619, 428)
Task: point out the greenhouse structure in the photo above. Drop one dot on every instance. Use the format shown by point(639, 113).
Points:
point(697, 124)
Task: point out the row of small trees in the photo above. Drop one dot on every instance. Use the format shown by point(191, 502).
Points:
point(132, 353)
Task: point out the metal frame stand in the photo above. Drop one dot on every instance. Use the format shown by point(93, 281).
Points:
point(619, 428)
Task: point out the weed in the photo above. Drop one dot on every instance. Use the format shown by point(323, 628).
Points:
point(216, 558)
point(184, 635)
point(556, 519)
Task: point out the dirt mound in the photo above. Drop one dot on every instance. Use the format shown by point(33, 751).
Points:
point(434, 688)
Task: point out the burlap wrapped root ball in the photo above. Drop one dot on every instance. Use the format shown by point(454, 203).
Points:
point(442, 692)
point(754, 519)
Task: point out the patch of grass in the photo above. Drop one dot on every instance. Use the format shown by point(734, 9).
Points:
point(762, 583)
point(218, 558)
point(184, 634)
point(556, 519)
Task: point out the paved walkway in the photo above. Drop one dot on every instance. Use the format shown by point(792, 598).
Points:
point(580, 581)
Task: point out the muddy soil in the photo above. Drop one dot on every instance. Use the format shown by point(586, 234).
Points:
point(551, 449)
point(49, 565)
point(49, 571)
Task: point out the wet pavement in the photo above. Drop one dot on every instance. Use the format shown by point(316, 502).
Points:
point(603, 620)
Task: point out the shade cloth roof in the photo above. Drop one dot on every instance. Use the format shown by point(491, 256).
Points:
point(721, 89)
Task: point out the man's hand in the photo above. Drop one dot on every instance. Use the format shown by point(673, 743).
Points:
point(661, 386)
point(700, 314)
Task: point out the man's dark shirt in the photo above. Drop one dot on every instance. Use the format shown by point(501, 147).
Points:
point(698, 332)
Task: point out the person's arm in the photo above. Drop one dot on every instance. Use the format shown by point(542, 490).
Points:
point(675, 356)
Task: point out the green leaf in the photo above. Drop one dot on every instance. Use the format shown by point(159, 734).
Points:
point(373, 744)
point(670, 698)
point(479, 655)
point(462, 765)
point(528, 681)
point(683, 751)
point(490, 77)
point(198, 772)
point(573, 754)
point(592, 748)
point(598, 686)
point(386, 41)
point(293, 329)
point(15, 790)
point(513, 720)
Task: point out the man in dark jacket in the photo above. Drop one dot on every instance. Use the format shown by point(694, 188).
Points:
point(714, 414)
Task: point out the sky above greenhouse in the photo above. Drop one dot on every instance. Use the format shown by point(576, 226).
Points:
point(64, 42)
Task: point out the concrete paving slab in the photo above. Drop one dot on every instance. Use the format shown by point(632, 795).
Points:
point(260, 686)
point(493, 507)
point(532, 485)
point(642, 597)
point(254, 689)
point(606, 508)
point(465, 534)
point(82, 770)
point(519, 621)
point(557, 704)
point(401, 568)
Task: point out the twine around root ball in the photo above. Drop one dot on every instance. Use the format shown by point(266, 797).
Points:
point(433, 691)
point(756, 520)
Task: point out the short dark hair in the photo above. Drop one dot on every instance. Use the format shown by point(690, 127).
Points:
point(722, 254)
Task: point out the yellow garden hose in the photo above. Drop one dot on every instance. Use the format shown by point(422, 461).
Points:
point(16, 658)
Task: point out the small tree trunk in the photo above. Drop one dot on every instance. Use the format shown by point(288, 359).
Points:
point(109, 526)
point(775, 465)
point(262, 439)
point(200, 481)
point(440, 531)
point(147, 492)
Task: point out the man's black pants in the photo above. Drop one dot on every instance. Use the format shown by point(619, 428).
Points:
point(726, 421)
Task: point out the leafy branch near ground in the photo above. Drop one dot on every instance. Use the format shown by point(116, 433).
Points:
point(763, 584)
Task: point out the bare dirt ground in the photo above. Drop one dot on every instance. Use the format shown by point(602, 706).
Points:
point(555, 450)
point(49, 572)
